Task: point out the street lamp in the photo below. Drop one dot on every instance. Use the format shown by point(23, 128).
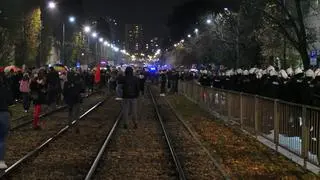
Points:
point(101, 40)
point(94, 34)
point(189, 35)
point(196, 30)
point(72, 19)
point(52, 5)
point(87, 29)
point(209, 21)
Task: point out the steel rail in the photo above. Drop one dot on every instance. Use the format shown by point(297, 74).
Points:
point(49, 140)
point(172, 151)
point(96, 161)
point(41, 116)
point(195, 137)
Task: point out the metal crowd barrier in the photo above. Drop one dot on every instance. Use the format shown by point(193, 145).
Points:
point(294, 127)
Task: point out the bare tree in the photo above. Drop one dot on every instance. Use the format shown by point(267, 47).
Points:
point(288, 19)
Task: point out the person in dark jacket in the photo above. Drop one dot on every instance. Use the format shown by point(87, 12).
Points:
point(170, 79)
point(142, 80)
point(273, 85)
point(38, 94)
point(72, 90)
point(163, 81)
point(205, 80)
point(175, 81)
point(54, 88)
point(5, 101)
point(119, 87)
point(131, 91)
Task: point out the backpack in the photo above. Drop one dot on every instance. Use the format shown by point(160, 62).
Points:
point(24, 86)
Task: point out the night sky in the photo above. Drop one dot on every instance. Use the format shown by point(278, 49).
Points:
point(151, 13)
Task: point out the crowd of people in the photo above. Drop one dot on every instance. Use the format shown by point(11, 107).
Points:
point(40, 87)
point(292, 85)
point(49, 87)
point(44, 86)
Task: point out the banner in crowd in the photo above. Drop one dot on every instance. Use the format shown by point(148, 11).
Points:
point(97, 77)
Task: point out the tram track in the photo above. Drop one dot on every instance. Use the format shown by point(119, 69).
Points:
point(70, 155)
point(162, 147)
point(27, 119)
point(25, 139)
point(196, 160)
point(142, 153)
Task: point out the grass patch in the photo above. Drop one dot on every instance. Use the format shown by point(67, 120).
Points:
point(242, 155)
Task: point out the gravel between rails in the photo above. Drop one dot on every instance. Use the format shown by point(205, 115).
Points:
point(70, 156)
point(194, 160)
point(23, 140)
point(139, 153)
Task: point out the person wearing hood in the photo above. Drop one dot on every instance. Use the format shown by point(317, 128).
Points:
point(5, 100)
point(131, 89)
point(72, 90)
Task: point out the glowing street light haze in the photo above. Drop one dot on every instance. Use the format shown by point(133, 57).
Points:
point(52, 5)
point(94, 34)
point(72, 19)
point(87, 29)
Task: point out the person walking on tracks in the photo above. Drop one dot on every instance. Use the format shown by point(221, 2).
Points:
point(72, 90)
point(5, 100)
point(53, 82)
point(131, 91)
point(163, 81)
point(38, 95)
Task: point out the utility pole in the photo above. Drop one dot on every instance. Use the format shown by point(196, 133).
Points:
point(97, 52)
point(64, 61)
